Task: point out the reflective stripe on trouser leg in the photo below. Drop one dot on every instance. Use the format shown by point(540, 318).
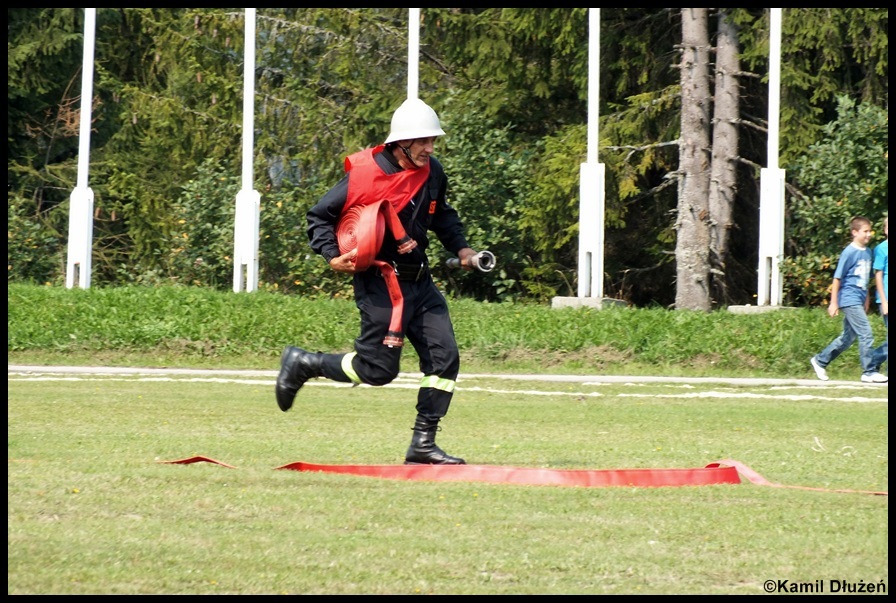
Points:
point(349, 369)
point(434, 397)
point(436, 382)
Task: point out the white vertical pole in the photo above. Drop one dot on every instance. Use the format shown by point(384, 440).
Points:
point(774, 86)
point(80, 216)
point(591, 173)
point(593, 83)
point(413, 52)
point(248, 200)
point(771, 182)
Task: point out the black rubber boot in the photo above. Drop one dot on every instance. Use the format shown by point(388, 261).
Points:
point(423, 449)
point(296, 367)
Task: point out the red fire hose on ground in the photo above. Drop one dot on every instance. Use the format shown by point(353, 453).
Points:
point(726, 471)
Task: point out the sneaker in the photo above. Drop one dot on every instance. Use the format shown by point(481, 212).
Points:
point(819, 370)
point(874, 378)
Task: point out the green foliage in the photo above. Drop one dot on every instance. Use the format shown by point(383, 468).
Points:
point(527, 67)
point(42, 90)
point(35, 247)
point(184, 110)
point(549, 215)
point(846, 174)
point(487, 181)
point(637, 46)
point(824, 53)
point(168, 102)
point(637, 199)
point(286, 262)
point(203, 245)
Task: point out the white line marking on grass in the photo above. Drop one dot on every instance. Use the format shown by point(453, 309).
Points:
point(411, 382)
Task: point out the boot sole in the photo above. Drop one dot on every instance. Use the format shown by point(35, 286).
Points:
point(435, 464)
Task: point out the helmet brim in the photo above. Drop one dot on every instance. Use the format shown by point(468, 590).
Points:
point(396, 136)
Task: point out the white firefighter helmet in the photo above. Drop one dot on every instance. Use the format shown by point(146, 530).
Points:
point(414, 119)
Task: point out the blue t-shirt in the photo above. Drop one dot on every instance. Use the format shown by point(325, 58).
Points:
point(881, 262)
point(854, 271)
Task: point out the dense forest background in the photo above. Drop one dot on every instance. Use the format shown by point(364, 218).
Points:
point(510, 86)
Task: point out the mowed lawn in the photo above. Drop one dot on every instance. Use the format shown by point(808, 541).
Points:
point(92, 509)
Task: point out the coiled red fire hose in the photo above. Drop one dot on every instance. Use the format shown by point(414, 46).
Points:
point(362, 227)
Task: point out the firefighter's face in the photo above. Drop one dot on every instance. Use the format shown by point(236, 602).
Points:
point(418, 150)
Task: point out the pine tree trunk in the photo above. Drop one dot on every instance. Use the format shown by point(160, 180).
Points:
point(725, 149)
point(692, 243)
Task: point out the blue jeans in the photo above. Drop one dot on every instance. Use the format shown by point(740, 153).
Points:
point(882, 353)
point(855, 326)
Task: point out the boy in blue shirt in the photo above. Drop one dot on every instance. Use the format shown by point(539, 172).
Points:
point(849, 296)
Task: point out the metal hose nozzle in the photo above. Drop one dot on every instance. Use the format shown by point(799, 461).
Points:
point(484, 261)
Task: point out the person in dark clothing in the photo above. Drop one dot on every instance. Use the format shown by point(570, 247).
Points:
point(394, 290)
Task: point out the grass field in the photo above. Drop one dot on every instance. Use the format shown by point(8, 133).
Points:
point(92, 510)
point(203, 328)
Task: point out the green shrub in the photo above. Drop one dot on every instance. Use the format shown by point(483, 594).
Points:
point(844, 175)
